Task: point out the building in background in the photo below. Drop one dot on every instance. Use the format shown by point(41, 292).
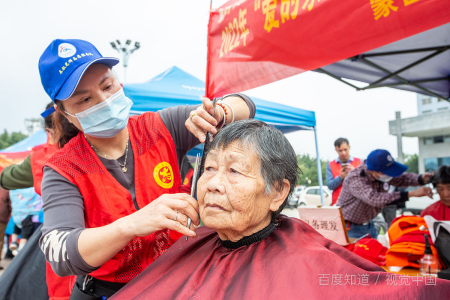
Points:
point(34, 125)
point(431, 126)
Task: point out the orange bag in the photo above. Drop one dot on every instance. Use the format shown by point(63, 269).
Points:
point(407, 242)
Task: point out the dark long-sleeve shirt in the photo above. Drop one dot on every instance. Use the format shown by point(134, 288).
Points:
point(17, 176)
point(362, 196)
point(63, 203)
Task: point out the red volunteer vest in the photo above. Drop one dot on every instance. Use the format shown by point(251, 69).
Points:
point(59, 288)
point(39, 156)
point(336, 171)
point(187, 182)
point(105, 200)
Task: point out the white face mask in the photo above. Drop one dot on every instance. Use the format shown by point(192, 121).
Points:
point(384, 178)
point(106, 119)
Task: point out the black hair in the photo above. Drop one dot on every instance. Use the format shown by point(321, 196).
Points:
point(340, 141)
point(442, 176)
point(66, 129)
point(277, 157)
point(48, 120)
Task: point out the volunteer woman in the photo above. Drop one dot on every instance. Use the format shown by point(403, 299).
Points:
point(110, 195)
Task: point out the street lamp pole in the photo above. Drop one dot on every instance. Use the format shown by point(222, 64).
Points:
point(126, 52)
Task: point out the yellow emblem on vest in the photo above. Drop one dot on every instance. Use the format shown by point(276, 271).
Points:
point(163, 175)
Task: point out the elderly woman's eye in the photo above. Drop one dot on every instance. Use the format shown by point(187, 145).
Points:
point(234, 171)
point(108, 87)
point(209, 169)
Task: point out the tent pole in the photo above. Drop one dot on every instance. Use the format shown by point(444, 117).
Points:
point(410, 82)
point(400, 78)
point(336, 77)
point(447, 47)
point(392, 74)
point(319, 167)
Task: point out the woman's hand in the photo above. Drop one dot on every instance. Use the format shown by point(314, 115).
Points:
point(100, 244)
point(160, 214)
point(200, 120)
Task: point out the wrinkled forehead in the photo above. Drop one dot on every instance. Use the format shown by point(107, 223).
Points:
point(233, 147)
point(234, 151)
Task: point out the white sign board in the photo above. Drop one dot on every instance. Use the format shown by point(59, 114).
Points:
point(328, 221)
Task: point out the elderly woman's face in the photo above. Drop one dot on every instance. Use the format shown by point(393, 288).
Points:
point(231, 193)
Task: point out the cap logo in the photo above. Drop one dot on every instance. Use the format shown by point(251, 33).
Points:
point(389, 158)
point(66, 50)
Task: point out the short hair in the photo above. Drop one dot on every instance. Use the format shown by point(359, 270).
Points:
point(48, 120)
point(340, 141)
point(277, 157)
point(442, 176)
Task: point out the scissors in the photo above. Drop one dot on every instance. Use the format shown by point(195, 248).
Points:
point(198, 171)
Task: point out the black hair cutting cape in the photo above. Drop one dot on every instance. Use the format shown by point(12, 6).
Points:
point(293, 262)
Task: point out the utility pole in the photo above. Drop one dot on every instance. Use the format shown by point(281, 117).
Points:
point(398, 130)
point(126, 52)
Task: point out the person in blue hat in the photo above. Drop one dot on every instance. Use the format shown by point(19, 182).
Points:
point(365, 191)
point(111, 194)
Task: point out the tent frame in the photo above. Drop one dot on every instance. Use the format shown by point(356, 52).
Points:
point(318, 162)
point(389, 74)
point(319, 167)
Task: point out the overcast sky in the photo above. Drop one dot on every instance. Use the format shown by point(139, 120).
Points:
point(174, 33)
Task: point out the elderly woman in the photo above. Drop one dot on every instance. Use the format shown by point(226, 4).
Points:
point(247, 250)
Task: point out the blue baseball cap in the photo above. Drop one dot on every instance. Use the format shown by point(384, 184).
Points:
point(62, 65)
point(381, 161)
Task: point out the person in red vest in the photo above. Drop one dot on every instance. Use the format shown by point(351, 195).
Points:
point(111, 194)
point(29, 174)
point(338, 169)
point(440, 210)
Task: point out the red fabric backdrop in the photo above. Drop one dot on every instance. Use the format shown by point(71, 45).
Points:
point(7, 159)
point(255, 42)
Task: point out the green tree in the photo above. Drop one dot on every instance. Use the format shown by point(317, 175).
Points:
point(7, 139)
point(308, 165)
point(412, 161)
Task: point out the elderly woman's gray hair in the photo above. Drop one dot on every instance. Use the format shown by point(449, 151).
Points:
point(277, 157)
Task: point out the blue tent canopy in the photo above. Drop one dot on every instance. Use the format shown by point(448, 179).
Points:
point(175, 87)
point(38, 138)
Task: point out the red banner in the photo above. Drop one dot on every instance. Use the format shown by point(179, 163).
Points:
point(7, 159)
point(255, 42)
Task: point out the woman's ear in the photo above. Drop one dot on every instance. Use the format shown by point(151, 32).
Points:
point(62, 113)
point(280, 195)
